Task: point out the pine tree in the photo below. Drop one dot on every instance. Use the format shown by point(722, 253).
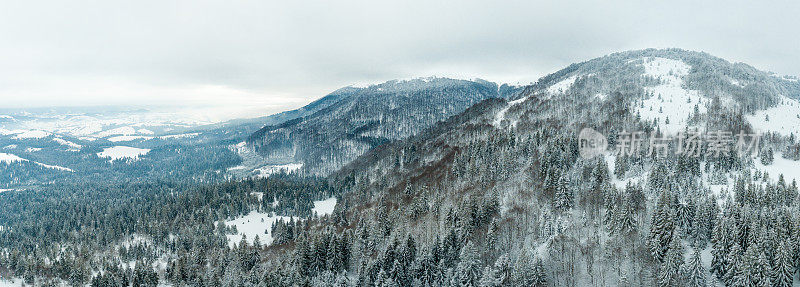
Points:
point(468, 270)
point(694, 273)
point(783, 274)
point(661, 229)
point(626, 223)
point(669, 272)
point(564, 197)
point(490, 278)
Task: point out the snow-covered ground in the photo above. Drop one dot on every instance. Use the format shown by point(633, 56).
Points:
point(10, 282)
point(67, 143)
point(31, 134)
point(324, 207)
point(670, 100)
point(118, 131)
point(259, 223)
point(252, 224)
point(127, 138)
point(783, 118)
point(621, 183)
point(789, 168)
point(10, 158)
point(180, 136)
point(501, 115)
point(266, 171)
point(562, 86)
point(118, 152)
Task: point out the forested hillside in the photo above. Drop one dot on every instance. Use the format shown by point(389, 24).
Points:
point(501, 193)
point(366, 117)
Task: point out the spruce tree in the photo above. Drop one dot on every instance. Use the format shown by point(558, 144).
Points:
point(694, 273)
point(661, 229)
point(669, 271)
point(783, 273)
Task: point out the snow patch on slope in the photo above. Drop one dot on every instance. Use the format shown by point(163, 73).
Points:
point(789, 168)
point(127, 138)
point(14, 282)
point(562, 86)
point(67, 143)
point(32, 134)
point(266, 171)
point(252, 225)
point(119, 152)
point(669, 99)
point(324, 207)
point(259, 223)
point(501, 115)
point(118, 131)
point(783, 119)
point(10, 158)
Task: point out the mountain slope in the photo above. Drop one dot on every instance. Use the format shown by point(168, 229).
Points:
point(507, 175)
point(367, 117)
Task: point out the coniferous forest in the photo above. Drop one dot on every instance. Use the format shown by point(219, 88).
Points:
point(440, 182)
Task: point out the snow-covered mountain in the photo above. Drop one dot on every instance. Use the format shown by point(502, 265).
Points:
point(520, 158)
point(358, 119)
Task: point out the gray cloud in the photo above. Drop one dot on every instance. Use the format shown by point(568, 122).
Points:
point(290, 52)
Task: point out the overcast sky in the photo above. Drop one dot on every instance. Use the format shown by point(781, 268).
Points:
point(283, 54)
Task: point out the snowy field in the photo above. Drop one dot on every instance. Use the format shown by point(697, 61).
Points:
point(128, 138)
point(268, 170)
point(252, 225)
point(119, 152)
point(8, 283)
point(562, 86)
point(789, 168)
point(10, 158)
point(670, 100)
point(259, 223)
point(783, 118)
point(67, 143)
point(324, 207)
point(32, 134)
point(501, 115)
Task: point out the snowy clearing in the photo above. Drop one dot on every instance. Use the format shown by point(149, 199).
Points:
point(5, 282)
point(324, 207)
point(669, 101)
point(10, 158)
point(179, 136)
point(118, 131)
point(562, 86)
point(268, 170)
point(127, 138)
point(252, 224)
point(118, 152)
point(259, 223)
point(67, 143)
point(501, 115)
point(783, 118)
point(789, 168)
point(32, 134)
